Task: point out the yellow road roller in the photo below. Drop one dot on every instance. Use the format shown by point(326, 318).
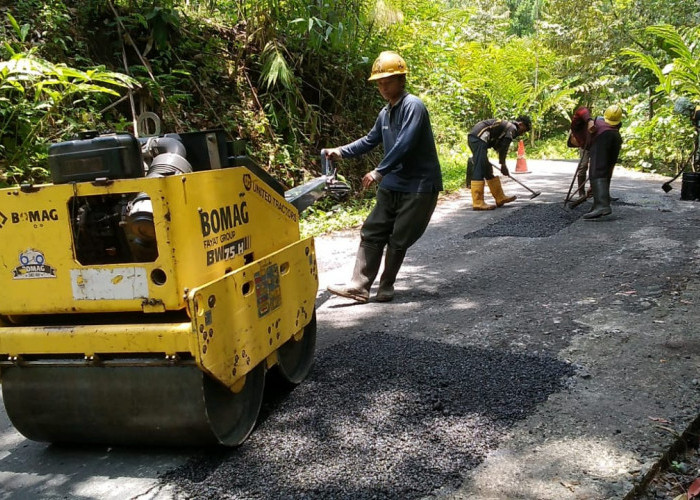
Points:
point(147, 290)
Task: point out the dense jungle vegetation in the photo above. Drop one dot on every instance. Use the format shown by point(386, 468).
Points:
point(290, 76)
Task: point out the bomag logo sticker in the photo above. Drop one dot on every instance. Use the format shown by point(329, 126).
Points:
point(32, 265)
point(3, 219)
point(36, 217)
point(223, 218)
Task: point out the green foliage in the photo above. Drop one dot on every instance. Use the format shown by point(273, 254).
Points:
point(323, 218)
point(553, 148)
point(275, 68)
point(50, 30)
point(290, 75)
point(523, 15)
point(658, 141)
point(453, 162)
point(676, 65)
point(680, 467)
point(662, 143)
point(39, 100)
point(466, 75)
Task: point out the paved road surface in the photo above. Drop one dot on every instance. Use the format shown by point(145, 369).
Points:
point(615, 300)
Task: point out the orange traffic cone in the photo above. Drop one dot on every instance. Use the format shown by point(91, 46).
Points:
point(521, 163)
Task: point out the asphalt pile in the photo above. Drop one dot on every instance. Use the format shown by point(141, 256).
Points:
point(533, 221)
point(381, 416)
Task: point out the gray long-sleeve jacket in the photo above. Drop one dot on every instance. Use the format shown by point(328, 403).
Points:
point(497, 134)
point(410, 162)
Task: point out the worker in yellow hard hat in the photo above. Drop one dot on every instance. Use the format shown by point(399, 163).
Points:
point(408, 177)
point(606, 143)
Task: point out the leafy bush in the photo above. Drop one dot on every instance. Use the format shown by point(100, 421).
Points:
point(41, 101)
point(329, 216)
point(289, 76)
point(662, 144)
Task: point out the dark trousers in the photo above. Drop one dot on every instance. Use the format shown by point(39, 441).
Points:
point(398, 219)
point(482, 167)
point(604, 152)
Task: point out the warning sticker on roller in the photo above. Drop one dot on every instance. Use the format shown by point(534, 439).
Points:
point(267, 289)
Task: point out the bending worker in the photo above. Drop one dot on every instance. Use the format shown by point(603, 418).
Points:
point(496, 134)
point(582, 126)
point(409, 179)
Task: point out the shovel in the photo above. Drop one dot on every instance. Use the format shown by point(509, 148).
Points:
point(666, 186)
point(535, 194)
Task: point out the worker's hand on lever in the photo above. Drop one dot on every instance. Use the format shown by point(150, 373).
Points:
point(504, 170)
point(333, 153)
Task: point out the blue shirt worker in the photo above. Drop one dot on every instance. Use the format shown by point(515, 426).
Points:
point(409, 180)
point(496, 134)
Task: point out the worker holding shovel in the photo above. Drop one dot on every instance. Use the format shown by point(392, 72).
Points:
point(409, 179)
point(582, 126)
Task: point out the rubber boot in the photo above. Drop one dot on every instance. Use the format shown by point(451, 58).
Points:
point(392, 263)
point(367, 262)
point(601, 199)
point(478, 197)
point(596, 203)
point(497, 192)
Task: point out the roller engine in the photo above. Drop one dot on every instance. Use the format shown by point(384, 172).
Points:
point(146, 292)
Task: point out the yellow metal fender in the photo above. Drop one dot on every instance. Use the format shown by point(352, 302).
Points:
point(89, 341)
point(240, 319)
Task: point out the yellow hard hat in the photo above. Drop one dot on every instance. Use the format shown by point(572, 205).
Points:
point(387, 64)
point(613, 115)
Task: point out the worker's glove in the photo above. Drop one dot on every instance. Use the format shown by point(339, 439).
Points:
point(504, 171)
